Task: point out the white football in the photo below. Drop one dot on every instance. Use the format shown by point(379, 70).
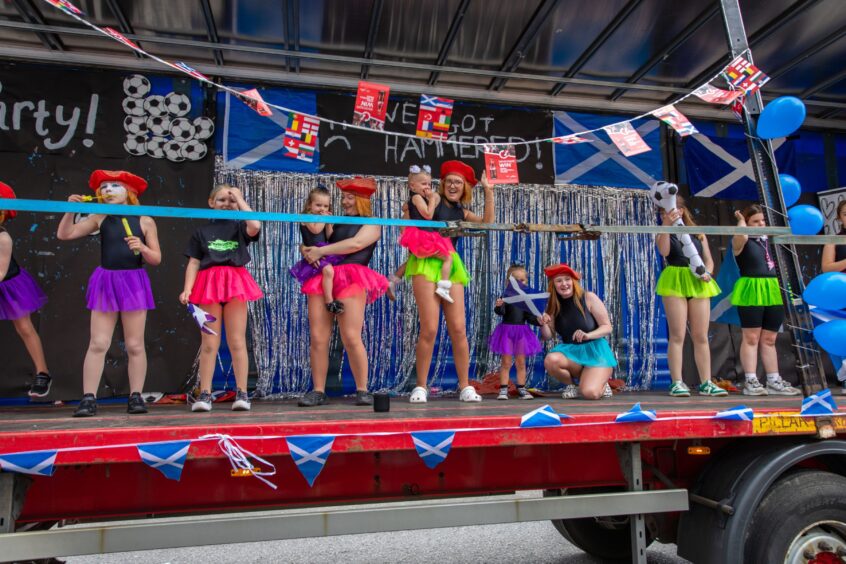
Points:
point(182, 129)
point(155, 147)
point(135, 145)
point(194, 150)
point(203, 127)
point(136, 86)
point(177, 104)
point(159, 125)
point(155, 105)
point(134, 106)
point(173, 151)
point(136, 125)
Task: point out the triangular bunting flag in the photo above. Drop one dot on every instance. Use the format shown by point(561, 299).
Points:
point(309, 453)
point(542, 417)
point(745, 76)
point(675, 119)
point(38, 463)
point(254, 100)
point(820, 403)
point(433, 446)
point(716, 95)
point(168, 457)
point(637, 415)
point(738, 413)
point(626, 138)
point(67, 7)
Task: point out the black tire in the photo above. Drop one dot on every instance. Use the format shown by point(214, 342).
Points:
point(786, 516)
point(608, 538)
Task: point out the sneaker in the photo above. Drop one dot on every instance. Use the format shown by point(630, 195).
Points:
point(242, 401)
point(363, 398)
point(87, 406)
point(469, 395)
point(781, 388)
point(203, 402)
point(709, 388)
point(41, 385)
point(607, 392)
point(679, 390)
point(753, 387)
point(418, 395)
point(503, 394)
point(443, 291)
point(571, 391)
point(313, 399)
point(135, 404)
point(524, 394)
point(335, 307)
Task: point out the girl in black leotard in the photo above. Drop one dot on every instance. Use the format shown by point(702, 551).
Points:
point(834, 260)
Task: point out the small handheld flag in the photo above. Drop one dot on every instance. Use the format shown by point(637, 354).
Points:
point(524, 297)
point(543, 416)
point(201, 317)
point(738, 413)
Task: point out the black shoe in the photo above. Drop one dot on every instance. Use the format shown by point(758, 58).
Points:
point(87, 406)
point(335, 307)
point(363, 398)
point(313, 399)
point(41, 385)
point(135, 404)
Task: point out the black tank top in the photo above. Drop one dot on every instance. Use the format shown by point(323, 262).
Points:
point(513, 315)
point(311, 239)
point(840, 250)
point(414, 213)
point(362, 256)
point(452, 212)
point(114, 253)
point(752, 260)
point(570, 319)
point(676, 255)
point(13, 269)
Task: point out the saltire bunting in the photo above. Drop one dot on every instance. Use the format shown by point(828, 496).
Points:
point(301, 137)
point(626, 139)
point(721, 309)
point(543, 416)
point(167, 457)
point(122, 38)
point(571, 140)
point(371, 105)
point(37, 463)
point(820, 403)
point(432, 446)
point(310, 453)
point(180, 66)
point(675, 119)
point(738, 413)
point(636, 415)
point(501, 164)
point(202, 318)
point(715, 95)
point(745, 76)
point(524, 297)
point(254, 100)
point(67, 7)
point(434, 117)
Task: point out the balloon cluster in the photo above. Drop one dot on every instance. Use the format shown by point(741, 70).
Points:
point(828, 292)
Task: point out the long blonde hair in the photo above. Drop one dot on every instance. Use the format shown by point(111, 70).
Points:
point(687, 218)
point(552, 306)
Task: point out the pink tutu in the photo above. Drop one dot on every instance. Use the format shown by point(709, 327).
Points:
point(350, 280)
point(223, 284)
point(514, 340)
point(425, 244)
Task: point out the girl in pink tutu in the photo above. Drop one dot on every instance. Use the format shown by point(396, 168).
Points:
point(20, 296)
point(318, 202)
point(119, 287)
point(216, 280)
point(513, 339)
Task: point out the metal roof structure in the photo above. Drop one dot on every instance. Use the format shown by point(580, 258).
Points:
point(625, 56)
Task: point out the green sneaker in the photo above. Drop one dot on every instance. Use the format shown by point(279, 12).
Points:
point(679, 390)
point(711, 389)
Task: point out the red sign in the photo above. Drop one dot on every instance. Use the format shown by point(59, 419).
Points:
point(254, 100)
point(716, 95)
point(627, 139)
point(371, 105)
point(501, 164)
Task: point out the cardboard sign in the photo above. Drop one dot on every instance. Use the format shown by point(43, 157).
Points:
point(371, 105)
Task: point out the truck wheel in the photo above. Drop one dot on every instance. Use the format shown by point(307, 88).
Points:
point(607, 538)
point(802, 518)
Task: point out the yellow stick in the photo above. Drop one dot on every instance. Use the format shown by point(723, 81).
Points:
point(91, 198)
point(128, 230)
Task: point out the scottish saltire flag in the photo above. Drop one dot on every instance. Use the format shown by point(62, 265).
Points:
point(542, 417)
point(301, 137)
point(66, 6)
point(739, 413)
point(525, 298)
point(434, 117)
point(745, 76)
point(600, 163)
point(721, 309)
point(433, 446)
point(167, 457)
point(637, 415)
point(310, 453)
point(820, 403)
point(37, 463)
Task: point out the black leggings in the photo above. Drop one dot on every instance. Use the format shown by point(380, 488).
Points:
point(768, 318)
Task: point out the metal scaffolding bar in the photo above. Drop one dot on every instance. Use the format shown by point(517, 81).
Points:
point(372, 33)
point(452, 34)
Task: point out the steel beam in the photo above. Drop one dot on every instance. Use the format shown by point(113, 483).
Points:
point(211, 30)
point(452, 34)
point(31, 15)
point(372, 34)
point(807, 53)
point(628, 455)
point(124, 25)
point(824, 85)
point(13, 488)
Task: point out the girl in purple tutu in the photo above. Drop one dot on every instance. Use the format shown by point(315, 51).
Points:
point(513, 340)
point(119, 287)
point(318, 202)
point(20, 296)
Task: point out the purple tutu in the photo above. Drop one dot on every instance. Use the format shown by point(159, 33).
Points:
point(304, 270)
point(20, 296)
point(514, 340)
point(119, 290)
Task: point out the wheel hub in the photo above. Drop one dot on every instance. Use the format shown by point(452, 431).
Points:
point(820, 543)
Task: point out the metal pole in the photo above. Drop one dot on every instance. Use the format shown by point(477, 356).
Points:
point(629, 456)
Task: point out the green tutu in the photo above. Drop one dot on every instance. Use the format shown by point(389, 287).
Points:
point(680, 282)
point(756, 292)
point(430, 268)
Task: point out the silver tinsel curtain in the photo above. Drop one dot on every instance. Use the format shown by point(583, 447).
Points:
point(620, 268)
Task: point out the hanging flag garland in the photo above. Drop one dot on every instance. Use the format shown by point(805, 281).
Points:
point(310, 453)
point(675, 119)
point(432, 446)
point(820, 403)
point(543, 416)
point(637, 415)
point(739, 413)
point(36, 463)
point(434, 117)
point(571, 140)
point(168, 457)
point(714, 95)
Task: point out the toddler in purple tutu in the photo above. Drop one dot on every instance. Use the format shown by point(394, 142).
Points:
point(513, 339)
point(20, 296)
point(318, 202)
point(119, 287)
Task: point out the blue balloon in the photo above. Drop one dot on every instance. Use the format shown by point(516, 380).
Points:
point(790, 189)
point(827, 291)
point(781, 117)
point(831, 336)
point(805, 220)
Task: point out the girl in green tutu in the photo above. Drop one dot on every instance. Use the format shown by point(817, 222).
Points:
point(757, 297)
point(687, 303)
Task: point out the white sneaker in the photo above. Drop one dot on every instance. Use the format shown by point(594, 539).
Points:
point(418, 395)
point(781, 388)
point(242, 401)
point(571, 391)
point(443, 291)
point(503, 394)
point(607, 392)
point(753, 387)
point(469, 395)
point(203, 402)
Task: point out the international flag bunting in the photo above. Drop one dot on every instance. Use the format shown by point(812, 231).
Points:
point(737, 108)
point(627, 139)
point(301, 137)
point(637, 415)
point(180, 66)
point(501, 164)
point(739, 413)
point(542, 417)
point(571, 140)
point(524, 297)
point(167, 457)
point(67, 7)
point(433, 446)
point(745, 76)
point(715, 95)
point(254, 100)
point(675, 119)
point(371, 105)
point(434, 117)
point(820, 403)
point(310, 453)
point(122, 38)
point(37, 463)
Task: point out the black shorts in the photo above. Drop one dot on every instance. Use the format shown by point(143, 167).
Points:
point(768, 318)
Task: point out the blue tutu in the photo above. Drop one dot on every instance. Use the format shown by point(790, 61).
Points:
point(596, 353)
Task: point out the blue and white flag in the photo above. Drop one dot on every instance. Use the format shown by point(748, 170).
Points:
point(738, 413)
point(637, 415)
point(36, 463)
point(433, 446)
point(820, 403)
point(524, 297)
point(310, 453)
point(721, 309)
point(166, 457)
point(542, 417)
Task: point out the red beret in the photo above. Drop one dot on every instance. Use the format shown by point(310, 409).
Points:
point(360, 186)
point(7, 192)
point(561, 270)
point(135, 183)
point(461, 169)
